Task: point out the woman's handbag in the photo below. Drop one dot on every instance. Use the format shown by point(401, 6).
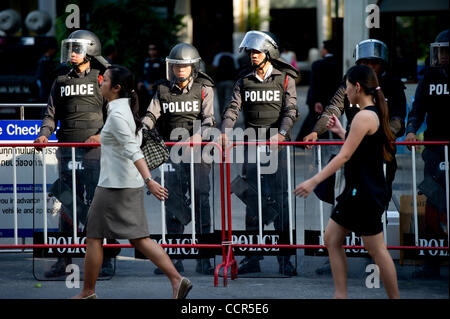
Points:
point(154, 149)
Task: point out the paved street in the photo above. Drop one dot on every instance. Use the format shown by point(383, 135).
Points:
point(20, 275)
point(134, 279)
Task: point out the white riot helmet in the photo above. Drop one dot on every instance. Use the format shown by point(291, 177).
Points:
point(439, 50)
point(261, 41)
point(85, 43)
point(182, 54)
point(371, 49)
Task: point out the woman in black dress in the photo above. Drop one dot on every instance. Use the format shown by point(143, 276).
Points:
point(360, 206)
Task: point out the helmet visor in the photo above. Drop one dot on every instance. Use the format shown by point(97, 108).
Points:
point(77, 46)
point(256, 40)
point(439, 54)
point(371, 50)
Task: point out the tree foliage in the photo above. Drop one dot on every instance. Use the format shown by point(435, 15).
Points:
point(130, 25)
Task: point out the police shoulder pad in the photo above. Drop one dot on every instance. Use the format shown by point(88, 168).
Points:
point(204, 79)
point(285, 67)
point(391, 82)
point(159, 82)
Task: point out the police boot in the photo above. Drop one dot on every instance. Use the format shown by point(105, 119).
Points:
point(250, 264)
point(58, 269)
point(325, 269)
point(204, 267)
point(107, 268)
point(244, 191)
point(285, 266)
point(428, 270)
point(178, 266)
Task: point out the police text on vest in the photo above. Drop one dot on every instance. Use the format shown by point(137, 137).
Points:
point(77, 89)
point(181, 107)
point(262, 96)
point(439, 89)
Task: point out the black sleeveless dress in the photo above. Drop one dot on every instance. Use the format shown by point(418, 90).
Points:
point(360, 206)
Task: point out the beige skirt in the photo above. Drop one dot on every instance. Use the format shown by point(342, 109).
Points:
point(117, 213)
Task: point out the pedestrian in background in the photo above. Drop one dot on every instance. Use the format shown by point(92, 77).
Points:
point(325, 80)
point(153, 71)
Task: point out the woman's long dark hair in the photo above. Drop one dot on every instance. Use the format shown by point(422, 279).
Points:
point(120, 75)
point(367, 79)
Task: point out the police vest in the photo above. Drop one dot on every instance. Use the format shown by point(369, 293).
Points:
point(79, 107)
point(436, 100)
point(179, 110)
point(262, 101)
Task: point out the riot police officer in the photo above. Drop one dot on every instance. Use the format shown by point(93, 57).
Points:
point(76, 102)
point(153, 71)
point(431, 99)
point(266, 94)
point(373, 53)
point(185, 98)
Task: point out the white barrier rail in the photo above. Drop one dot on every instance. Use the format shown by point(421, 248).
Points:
point(22, 107)
point(75, 224)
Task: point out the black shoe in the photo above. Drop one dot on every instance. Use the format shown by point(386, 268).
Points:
point(250, 265)
point(285, 266)
point(178, 266)
point(325, 269)
point(107, 268)
point(204, 267)
point(58, 269)
point(427, 271)
point(288, 269)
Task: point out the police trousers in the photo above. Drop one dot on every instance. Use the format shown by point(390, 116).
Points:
point(274, 196)
point(87, 171)
point(178, 210)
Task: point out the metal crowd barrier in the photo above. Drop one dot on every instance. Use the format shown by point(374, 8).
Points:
point(231, 262)
point(227, 244)
point(22, 107)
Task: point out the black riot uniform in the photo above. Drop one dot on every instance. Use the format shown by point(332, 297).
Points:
point(270, 103)
point(82, 114)
point(432, 99)
point(76, 103)
point(171, 109)
point(393, 90)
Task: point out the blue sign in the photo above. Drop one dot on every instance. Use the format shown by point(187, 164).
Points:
point(16, 130)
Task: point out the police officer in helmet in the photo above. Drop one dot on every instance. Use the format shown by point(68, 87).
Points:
point(76, 102)
point(184, 102)
point(373, 53)
point(432, 99)
point(266, 94)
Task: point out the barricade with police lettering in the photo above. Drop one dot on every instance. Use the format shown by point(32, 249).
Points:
point(62, 177)
point(227, 240)
point(408, 242)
